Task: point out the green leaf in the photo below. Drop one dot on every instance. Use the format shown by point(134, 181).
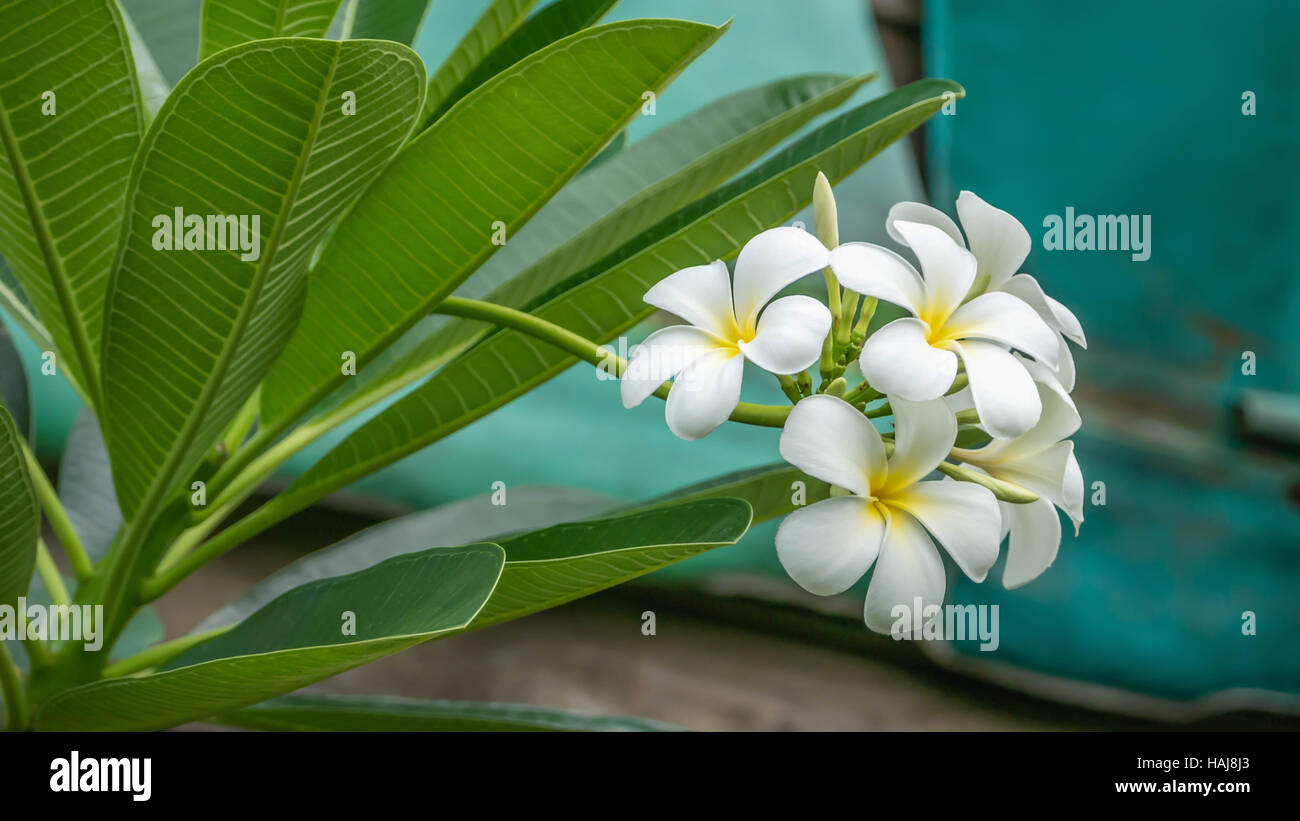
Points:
point(616, 146)
point(549, 567)
point(770, 490)
point(227, 23)
point(607, 207)
point(293, 641)
point(15, 303)
point(259, 133)
point(429, 221)
point(469, 520)
point(396, 20)
point(311, 712)
point(86, 486)
point(19, 513)
point(555, 22)
point(494, 25)
point(14, 392)
point(606, 299)
point(63, 177)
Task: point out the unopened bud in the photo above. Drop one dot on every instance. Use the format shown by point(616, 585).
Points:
point(825, 217)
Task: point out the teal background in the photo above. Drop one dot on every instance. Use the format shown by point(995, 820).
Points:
point(1136, 108)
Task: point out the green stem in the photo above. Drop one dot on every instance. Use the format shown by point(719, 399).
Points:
point(160, 654)
point(850, 306)
point(82, 567)
point(50, 575)
point(38, 655)
point(789, 387)
point(242, 424)
point(1006, 491)
point(862, 393)
point(11, 683)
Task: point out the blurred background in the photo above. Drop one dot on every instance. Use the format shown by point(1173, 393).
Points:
point(1183, 113)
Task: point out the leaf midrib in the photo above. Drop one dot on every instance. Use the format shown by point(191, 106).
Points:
point(162, 478)
point(53, 262)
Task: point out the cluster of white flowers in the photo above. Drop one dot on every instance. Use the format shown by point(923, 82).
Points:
point(982, 342)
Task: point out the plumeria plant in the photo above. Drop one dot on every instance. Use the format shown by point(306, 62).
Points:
point(983, 355)
point(312, 236)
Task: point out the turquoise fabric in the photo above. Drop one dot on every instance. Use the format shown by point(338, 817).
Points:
point(1137, 108)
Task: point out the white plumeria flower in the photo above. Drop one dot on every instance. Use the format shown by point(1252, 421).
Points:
point(1000, 244)
point(829, 545)
point(707, 356)
point(916, 357)
point(1043, 461)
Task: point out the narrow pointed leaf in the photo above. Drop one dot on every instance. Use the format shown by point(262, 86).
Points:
point(771, 490)
point(468, 520)
point(736, 131)
point(63, 176)
point(545, 567)
point(256, 134)
point(549, 567)
point(311, 712)
point(558, 20)
point(610, 205)
point(494, 25)
point(429, 221)
point(19, 514)
point(293, 641)
point(606, 299)
point(227, 23)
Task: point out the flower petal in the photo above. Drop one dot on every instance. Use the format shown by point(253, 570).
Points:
point(923, 435)
point(997, 239)
point(1044, 375)
point(908, 568)
point(962, 516)
point(790, 335)
point(1068, 323)
point(879, 272)
point(664, 354)
point(1001, 317)
point(1059, 420)
point(701, 295)
point(1057, 316)
point(1064, 373)
point(1053, 474)
point(705, 393)
point(924, 214)
point(898, 360)
point(826, 437)
point(947, 268)
point(828, 546)
point(1035, 538)
point(768, 263)
point(1004, 392)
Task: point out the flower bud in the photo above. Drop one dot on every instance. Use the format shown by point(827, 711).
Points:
point(825, 218)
